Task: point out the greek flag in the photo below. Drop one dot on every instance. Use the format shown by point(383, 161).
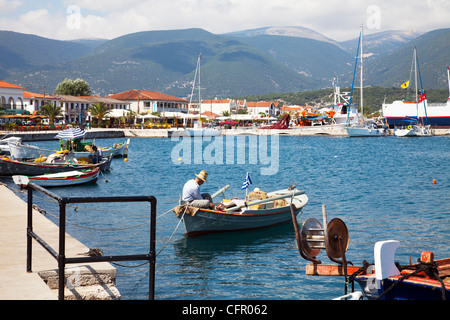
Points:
point(247, 182)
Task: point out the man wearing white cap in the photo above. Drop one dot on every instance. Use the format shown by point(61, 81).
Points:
point(192, 195)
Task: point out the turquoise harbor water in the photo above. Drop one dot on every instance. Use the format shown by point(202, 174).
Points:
point(381, 187)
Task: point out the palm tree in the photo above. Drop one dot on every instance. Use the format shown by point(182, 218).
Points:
point(51, 111)
point(99, 111)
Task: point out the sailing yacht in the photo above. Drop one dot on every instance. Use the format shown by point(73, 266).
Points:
point(366, 128)
point(416, 129)
point(198, 130)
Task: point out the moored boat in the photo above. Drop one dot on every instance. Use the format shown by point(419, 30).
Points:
point(239, 214)
point(413, 131)
point(367, 128)
point(59, 179)
point(425, 280)
point(4, 143)
point(20, 150)
point(10, 167)
point(399, 113)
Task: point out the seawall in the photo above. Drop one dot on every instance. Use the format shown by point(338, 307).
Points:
point(99, 133)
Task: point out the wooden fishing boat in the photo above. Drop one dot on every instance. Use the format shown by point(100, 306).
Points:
point(10, 167)
point(60, 179)
point(21, 150)
point(237, 214)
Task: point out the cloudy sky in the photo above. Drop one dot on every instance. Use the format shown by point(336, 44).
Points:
point(337, 19)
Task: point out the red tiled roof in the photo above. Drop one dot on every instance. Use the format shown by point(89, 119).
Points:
point(27, 94)
point(261, 104)
point(4, 84)
point(145, 95)
point(216, 101)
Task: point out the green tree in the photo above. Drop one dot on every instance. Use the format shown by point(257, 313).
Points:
point(51, 111)
point(99, 111)
point(70, 87)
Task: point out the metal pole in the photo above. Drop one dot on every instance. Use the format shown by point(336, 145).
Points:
point(151, 292)
point(29, 227)
point(62, 249)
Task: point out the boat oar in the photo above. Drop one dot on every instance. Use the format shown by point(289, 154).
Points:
point(104, 176)
point(291, 194)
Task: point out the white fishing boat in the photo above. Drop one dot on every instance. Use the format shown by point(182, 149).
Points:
point(367, 128)
point(239, 214)
point(19, 150)
point(59, 179)
point(342, 113)
point(4, 143)
point(68, 141)
point(198, 130)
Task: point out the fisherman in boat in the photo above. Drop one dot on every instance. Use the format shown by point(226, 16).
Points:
point(192, 195)
point(97, 156)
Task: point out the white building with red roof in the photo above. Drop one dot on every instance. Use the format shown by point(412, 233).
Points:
point(11, 96)
point(34, 101)
point(219, 106)
point(145, 101)
point(267, 107)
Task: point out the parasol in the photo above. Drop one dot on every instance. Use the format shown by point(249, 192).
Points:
point(72, 133)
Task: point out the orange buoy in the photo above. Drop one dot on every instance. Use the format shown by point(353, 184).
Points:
point(434, 181)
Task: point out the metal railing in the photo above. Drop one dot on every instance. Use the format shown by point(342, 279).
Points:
point(60, 255)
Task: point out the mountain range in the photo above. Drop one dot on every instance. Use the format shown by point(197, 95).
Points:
point(249, 62)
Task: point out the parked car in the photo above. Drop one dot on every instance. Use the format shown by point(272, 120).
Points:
point(228, 122)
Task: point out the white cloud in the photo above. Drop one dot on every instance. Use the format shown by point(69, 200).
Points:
point(9, 6)
point(337, 19)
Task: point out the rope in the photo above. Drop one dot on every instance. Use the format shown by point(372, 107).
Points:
point(170, 238)
point(430, 270)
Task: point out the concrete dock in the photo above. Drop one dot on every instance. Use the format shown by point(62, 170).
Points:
point(94, 281)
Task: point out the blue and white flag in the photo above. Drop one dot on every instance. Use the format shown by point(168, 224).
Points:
point(247, 182)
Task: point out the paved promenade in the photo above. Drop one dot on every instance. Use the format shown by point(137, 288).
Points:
point(15, 282)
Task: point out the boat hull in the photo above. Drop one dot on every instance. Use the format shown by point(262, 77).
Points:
point(365, 132)
point(24, 151)
point(409, 289)
point(70, 178)
point(210, 221)
point(414, 131)
point(399, 113)
point(10, 167)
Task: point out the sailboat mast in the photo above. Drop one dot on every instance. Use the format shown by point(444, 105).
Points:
point(415, 73)
point(448, 80)
point(199, 97)
point(361, 80)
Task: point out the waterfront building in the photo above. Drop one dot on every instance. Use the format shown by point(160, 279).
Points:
point(145, 101)
point(219, 106)
point(271, 109)
point(118, 108)
point(33, 102)
point(74, 109)
point(11, 96)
